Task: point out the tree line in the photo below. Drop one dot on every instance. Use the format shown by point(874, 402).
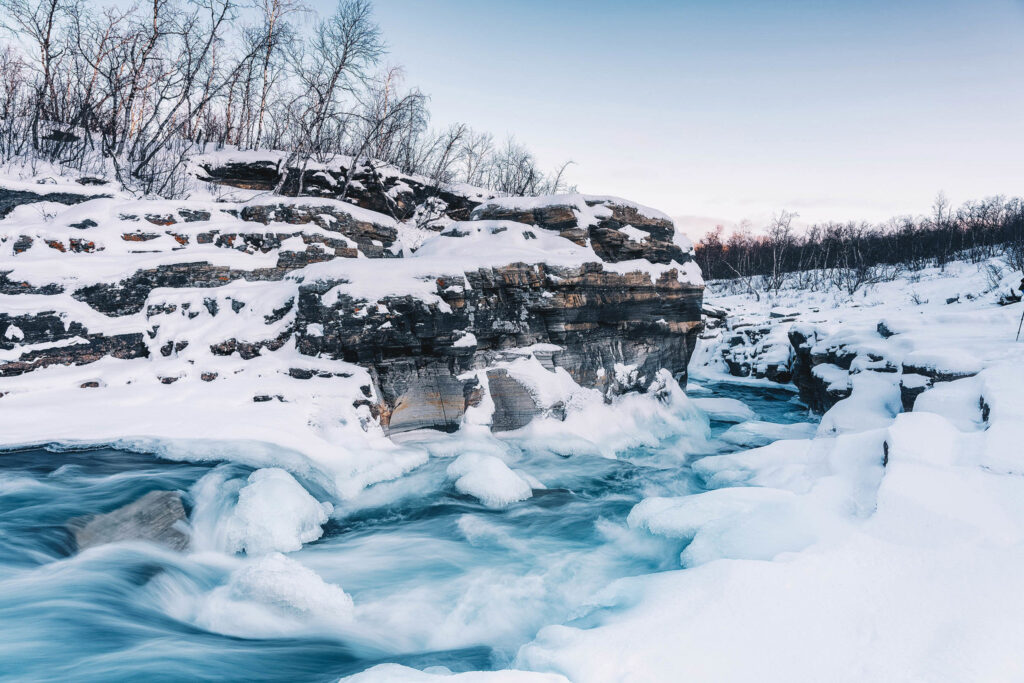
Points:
point(134, 90)
point(851, 255)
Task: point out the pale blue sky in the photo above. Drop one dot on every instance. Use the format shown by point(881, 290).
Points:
point(733, 109)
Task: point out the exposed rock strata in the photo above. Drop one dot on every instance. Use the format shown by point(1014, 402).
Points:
point(208, 287)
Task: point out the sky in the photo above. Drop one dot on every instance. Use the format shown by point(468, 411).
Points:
point(717, 111)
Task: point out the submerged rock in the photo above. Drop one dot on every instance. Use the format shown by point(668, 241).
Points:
point(158, 516)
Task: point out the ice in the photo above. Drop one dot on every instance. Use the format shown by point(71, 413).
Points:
point(275, 513)
point(275, 596)
point(395, 673)
point(725, 409)
point(756, 433)
point(488, 479)
point(738, 523)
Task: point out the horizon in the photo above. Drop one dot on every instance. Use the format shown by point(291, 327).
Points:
point(736, 110)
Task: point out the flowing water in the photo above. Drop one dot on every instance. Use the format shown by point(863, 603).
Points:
point(435, 578)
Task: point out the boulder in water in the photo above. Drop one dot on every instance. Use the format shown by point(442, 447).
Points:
point(158, 516)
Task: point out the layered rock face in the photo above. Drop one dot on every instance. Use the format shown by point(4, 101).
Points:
point(444, 319)
point(588, 321)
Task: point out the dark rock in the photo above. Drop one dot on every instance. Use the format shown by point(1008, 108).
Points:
point(193, 216)
point(129, 295)
point(8, 286)
point(912, 385)
point(373, 238)
point(158, 517)
point(158, 219)
point(38, 328)
point(813, 391)
point(139, 236)
point(11, 199)
point(123, 346)
point(22, 244)
point(606, 236)
point(376, 188)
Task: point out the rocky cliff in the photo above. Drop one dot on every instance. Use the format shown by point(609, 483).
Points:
point(434, 301)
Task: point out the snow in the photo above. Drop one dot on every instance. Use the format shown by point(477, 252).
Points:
point(634, 234)
point(725, 409)
point(874, 402)
point(488, 479)
point(468, 339)
point(580, 203)
point(946, 361)
point(739, 523)
point(273, 596)
point(395, 673)
point(275, 514)
point(756, 433)
point(808, 559)
point(878, 545)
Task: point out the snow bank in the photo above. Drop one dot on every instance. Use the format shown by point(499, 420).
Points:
point(739, 523)
point(944, 362)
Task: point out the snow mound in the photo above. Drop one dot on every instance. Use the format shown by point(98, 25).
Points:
point(725, 409)
point(756, 433)
point(489, 480)
point(873, 403)
point(275, 514)
point(738, 523)
point(944, 362)
point(275, 596)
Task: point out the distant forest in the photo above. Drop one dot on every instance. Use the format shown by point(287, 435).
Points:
point(851, 255)
point(133, 90)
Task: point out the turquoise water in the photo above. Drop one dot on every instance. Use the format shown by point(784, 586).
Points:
point(436, 577)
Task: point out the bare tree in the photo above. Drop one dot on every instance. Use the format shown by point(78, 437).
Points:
point(780, 237)
point(37, 22)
